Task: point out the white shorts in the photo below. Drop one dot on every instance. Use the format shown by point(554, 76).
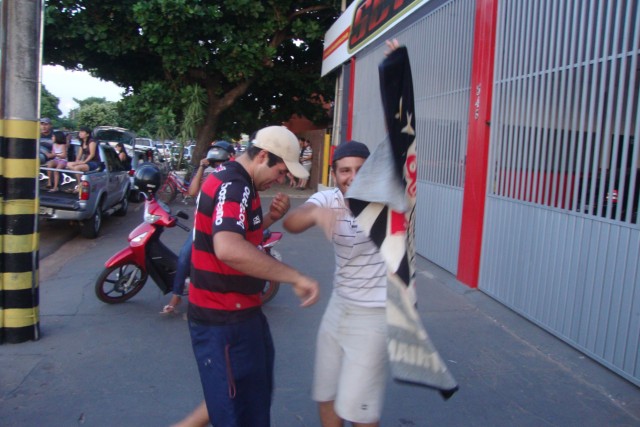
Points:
point(351, 360)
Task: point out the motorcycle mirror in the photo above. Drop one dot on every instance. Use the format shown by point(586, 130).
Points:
point(182, 214)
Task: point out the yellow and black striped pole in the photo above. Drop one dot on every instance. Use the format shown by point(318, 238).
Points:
point(20, 59)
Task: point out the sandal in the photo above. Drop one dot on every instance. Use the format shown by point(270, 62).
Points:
point(169, 309)
point(53, 190)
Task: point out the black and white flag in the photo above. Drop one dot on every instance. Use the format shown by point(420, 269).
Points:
point(383, 198)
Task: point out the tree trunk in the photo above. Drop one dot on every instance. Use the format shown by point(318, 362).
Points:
point(215, 107)
point(206, 134)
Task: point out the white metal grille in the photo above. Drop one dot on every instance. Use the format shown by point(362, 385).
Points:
point(566, 106)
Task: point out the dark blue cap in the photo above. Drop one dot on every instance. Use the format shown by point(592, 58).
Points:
point(350, 149)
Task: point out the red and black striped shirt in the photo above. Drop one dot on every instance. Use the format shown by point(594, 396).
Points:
point(228, 201)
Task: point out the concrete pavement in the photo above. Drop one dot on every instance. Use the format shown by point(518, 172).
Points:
point(125, 365)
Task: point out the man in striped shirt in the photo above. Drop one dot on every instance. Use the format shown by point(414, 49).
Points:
point(229, 333)
point(351, 357)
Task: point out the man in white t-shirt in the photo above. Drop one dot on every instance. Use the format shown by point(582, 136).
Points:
point(351, 357)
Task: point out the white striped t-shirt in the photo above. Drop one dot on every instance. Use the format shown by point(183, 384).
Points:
point(361, 274)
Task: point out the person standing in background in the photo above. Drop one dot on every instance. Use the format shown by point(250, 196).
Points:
point(306, 156)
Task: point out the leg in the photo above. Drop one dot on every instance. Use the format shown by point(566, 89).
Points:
point(362, 380)
point(49, 173)
point(328, 365)
point(199, 417)
point(235, 363)
point(182, 271)
point(56, 176)
point(78, 167)
point(328, 416)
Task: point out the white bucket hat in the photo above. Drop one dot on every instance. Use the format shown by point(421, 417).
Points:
point(283, 143)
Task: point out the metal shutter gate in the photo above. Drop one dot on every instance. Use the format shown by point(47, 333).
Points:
point(561, 237)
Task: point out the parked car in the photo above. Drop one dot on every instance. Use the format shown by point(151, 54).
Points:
point(111, 135)
point(164, 149)
point(187, 153)
point(100, 193)
point(145, 144)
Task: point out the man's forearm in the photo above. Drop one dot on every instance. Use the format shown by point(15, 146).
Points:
point(239, 254)
point(194, 186)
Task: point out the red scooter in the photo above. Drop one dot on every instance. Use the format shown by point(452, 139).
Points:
point(126, 272)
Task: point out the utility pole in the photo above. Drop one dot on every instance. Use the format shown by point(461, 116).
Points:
point(20, 64)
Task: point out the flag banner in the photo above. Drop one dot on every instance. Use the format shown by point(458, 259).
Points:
point(382, 197)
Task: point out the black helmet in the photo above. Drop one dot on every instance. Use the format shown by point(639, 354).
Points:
point(227, 146)
point(147, 178)
point(217, 154)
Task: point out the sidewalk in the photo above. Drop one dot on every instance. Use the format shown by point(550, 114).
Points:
point(293, 193)
point(125, 365)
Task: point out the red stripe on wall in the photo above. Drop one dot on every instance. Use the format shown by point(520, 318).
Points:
point(475, 183)
point(352, 85)
point(336, 43)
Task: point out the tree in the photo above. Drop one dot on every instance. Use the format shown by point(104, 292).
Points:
point(90, 100)
point(260, 57)
point(49, 106)
point(98, 114)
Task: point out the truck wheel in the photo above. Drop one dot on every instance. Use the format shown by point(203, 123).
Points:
point(91, 227)
point(119, 283)
point(124, 205)
point(135, 196)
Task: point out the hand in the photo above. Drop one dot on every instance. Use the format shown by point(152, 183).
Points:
point(279, 206)
point(204, 162)
point(308, 290)
point(392, 45)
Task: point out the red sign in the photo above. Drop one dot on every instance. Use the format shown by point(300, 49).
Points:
point(371, 16)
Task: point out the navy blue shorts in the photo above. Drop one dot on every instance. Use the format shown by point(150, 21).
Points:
point(235, 362)
point(94, 165)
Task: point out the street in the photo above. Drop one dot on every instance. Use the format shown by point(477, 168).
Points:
point(126, 365)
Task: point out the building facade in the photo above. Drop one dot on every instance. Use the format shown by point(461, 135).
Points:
point(526, 119)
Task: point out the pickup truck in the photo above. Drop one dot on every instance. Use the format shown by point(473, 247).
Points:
point(101, 192)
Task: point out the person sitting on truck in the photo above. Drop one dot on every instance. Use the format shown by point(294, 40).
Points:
point(58, 159)
point(89, 154)
point(123, 156)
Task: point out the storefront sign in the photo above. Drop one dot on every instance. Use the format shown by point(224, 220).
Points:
point(362, 23)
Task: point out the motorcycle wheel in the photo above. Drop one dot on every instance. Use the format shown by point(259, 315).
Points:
point(269, 291)
point(167, 193)
point(271, 288)
point(119, 283)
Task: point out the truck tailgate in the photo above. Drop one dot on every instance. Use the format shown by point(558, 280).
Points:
point(58, 200)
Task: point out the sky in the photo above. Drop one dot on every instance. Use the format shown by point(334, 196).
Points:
point(67, 85)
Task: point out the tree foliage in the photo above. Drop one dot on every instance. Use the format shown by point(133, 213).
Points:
point(257, 61)
point(98, 114)
point(49, 105)
point(90, 100)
